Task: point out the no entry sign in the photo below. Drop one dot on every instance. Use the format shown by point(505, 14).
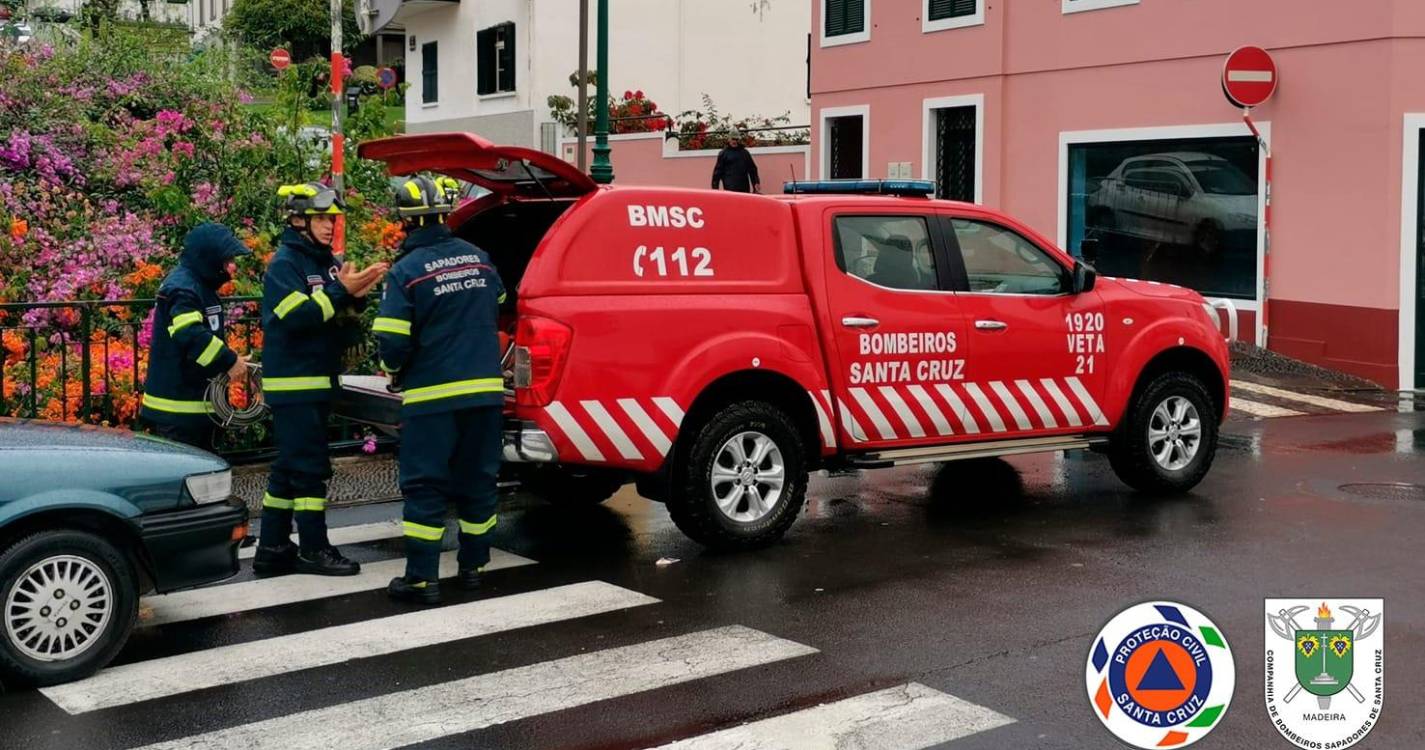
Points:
point(280, 58)
point(1250, 77)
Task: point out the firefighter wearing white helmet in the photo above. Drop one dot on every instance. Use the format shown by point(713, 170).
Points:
point(438, 333)
point(305, 293)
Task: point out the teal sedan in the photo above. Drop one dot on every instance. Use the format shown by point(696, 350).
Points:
point(90, 520)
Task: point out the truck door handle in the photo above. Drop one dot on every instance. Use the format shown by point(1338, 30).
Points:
point(990, 325)
point(855, 322)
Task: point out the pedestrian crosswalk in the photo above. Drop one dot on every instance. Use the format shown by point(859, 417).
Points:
point(396, 713)
point(1260, 401)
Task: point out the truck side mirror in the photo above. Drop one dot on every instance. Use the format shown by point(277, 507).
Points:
point(1089, 247)
point(1084, 277)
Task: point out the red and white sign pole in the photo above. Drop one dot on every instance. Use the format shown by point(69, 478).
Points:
point(338, 139)
point(1249, 78)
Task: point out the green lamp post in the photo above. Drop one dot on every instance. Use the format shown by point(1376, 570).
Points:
point(602, 170)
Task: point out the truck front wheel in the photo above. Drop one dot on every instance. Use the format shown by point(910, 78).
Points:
point(1169, 436)
point(742, 481)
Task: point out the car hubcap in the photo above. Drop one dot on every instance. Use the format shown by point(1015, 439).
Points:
point(747, 477)
point(57, 609)
point(1174, 433)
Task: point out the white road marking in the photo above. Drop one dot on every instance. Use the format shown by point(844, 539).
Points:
point(645, 424)
point(986, 408)
point(912, 425)
point(1070, 413)
point(1046, 417)
point(1015, 410)
point(574, 432)
point(1305, 398)
point(909, 717)
point(612, 431)
point(147, 680)
point(270, 592)
point(883, 425)
point(366, 532)
point(937, 417)
point(445, 709)
point(1260, 410)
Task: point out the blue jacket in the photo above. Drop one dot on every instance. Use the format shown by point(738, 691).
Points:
point(187, 348)
point(438, 327)
point(303, 326)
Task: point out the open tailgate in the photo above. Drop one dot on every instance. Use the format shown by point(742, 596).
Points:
point(505, 170)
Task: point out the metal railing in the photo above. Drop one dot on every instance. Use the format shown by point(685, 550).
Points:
point(85, 362)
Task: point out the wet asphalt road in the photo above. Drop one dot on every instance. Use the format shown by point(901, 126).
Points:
point(987, 581)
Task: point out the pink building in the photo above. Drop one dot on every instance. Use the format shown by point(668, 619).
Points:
point(1105, 120)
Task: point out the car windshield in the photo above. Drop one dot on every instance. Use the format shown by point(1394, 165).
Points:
point(1223, 179)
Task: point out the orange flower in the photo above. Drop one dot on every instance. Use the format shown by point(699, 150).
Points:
point(227, 290)
point(18, 229)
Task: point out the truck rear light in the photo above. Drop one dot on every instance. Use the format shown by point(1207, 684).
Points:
point(541, 349)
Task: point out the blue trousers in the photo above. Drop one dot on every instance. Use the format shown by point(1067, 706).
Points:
point(450, 457)
point(297, 485)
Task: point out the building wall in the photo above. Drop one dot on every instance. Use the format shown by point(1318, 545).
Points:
point(672, 50)
point(1336, 127)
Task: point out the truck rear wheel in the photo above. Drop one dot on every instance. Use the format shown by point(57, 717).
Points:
point(1168, 440)
point(572, 485)
point(68, 601)
point(742, 481)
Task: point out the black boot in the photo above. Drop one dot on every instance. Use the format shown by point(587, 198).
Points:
point(470, 579)
point(326, 561)
point(274, 560)
point(404, 589)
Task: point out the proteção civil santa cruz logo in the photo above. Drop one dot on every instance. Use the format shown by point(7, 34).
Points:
point(1160, 674)
point(1325, 680)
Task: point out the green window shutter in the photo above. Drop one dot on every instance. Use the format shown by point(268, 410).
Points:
point(943, 9)
point(430, 73)
point(506, 33)
point(845, 17)
point(485, 62)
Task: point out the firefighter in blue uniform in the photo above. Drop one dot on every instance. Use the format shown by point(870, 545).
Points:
point(188, 349)
point(308, 299)
point(439, 342)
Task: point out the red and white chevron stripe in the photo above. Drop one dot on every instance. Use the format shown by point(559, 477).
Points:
point(992, 409)
point(627, 428)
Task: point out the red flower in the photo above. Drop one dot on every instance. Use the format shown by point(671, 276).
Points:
point(627, 95)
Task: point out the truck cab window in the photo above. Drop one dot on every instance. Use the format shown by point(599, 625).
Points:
point(999, 261)
point(888, 251)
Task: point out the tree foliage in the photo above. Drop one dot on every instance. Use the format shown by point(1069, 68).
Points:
point(303, 26)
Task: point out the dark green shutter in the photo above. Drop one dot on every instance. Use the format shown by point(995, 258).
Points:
point(507, 57)
point(943, 9)
point(845, 17)
point(485, 62)
point(430, 73)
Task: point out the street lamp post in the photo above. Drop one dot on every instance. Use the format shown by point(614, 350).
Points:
point(603, 169)
point(338, 138)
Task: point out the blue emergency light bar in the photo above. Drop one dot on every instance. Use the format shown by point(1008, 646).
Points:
point(916, 188)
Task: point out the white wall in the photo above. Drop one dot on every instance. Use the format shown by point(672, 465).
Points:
point(749, 55)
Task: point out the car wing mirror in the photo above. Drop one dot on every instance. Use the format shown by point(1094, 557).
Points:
point(1084, 277)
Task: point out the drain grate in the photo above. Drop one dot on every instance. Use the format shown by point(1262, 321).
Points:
point(1386, 490)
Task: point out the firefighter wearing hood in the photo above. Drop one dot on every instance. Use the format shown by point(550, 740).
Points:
point(188, 348)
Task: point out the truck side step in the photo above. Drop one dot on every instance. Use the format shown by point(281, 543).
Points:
point(963, 451)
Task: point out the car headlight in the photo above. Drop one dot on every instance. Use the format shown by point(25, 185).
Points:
point(210, 488)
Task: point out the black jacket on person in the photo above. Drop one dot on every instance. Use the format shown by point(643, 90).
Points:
point(736, 170)
point(303, 335)
point(187, 348)
point(438, 328)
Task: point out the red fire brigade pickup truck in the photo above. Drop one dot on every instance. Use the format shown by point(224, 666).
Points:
point(714, 347)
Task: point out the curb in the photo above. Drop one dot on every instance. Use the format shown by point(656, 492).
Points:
point(356, 480)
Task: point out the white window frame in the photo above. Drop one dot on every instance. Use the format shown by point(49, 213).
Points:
point(1083, 6)
point(1179, 132)
point(928, 26)
point(1409, 221)
point(837, 41)
point(927, 136)
point(825, 117)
